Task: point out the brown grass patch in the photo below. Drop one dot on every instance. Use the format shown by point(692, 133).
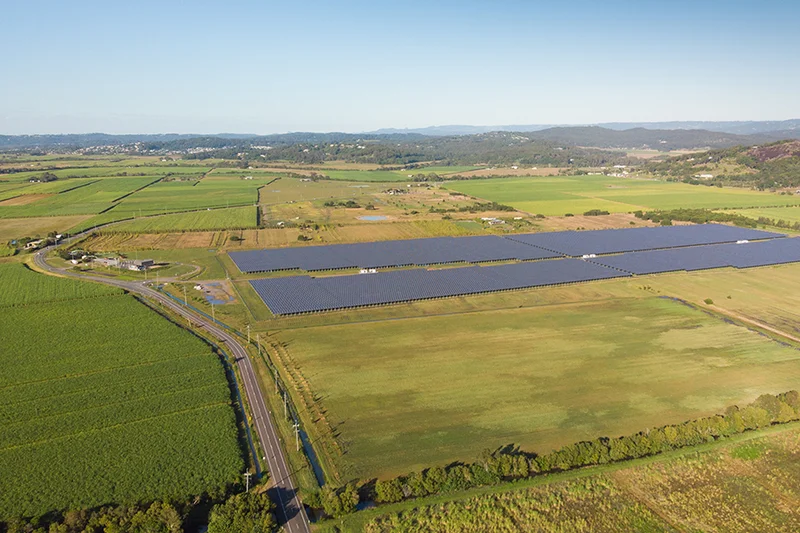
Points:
point(24, 199)
point(618, 220)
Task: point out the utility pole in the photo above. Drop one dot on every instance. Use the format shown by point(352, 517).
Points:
point(248, 333)
point(258, 343)
point(285, 406)
point(297, 436)
point(275, 371)
point(185, 300)
point(247, 481)
point(213, 316)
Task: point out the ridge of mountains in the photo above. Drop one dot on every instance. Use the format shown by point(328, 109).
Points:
point(663, 136)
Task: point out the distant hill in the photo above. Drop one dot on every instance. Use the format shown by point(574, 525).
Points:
point(785, 129)
point(664, 140)
point(767, 166)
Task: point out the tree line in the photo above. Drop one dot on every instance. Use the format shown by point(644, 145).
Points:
point(508, 464)
point(698, 216)
point(246, 511)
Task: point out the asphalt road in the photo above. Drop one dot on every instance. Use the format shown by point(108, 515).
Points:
point(290, 512)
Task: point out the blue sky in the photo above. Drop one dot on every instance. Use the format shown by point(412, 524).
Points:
point(266, 67)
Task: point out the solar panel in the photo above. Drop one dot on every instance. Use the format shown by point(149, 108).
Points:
point(418, 252)
point(578, 243)
point(302, 294)
point(744, 255)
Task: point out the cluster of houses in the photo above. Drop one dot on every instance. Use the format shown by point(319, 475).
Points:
point(118, 262)
point(492, 221)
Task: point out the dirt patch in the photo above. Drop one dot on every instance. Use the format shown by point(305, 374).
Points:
point(619, 220)
point(24, 199)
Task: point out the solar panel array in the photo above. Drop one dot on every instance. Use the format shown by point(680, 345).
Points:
point(484, 248)
point(613, 241)
point(419, 252)
point(762, 253)
point(303, 294)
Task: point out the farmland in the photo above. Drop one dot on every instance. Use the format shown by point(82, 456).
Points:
point(441, 388)
point(215, 219)
point(393, 175)
point(92, 198)
point(119, 382)
point(577, 194)
point(788, 214)
point(739, 486)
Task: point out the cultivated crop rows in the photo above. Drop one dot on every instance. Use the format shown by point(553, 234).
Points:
point(103, 401)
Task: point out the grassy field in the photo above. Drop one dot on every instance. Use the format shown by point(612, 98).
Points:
point(91, 377)
point(442, 388)
point(367, 175)
point(15, 228)
point(788, 214)
point(215, 219)
point(578, 194)
point(89, 199)
point(745, 485)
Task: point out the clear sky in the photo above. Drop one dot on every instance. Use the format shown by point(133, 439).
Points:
point(268, 67)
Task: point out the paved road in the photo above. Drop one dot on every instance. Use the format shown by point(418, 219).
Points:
point(290, 512)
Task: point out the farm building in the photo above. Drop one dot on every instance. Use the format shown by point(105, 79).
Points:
point(139, 264)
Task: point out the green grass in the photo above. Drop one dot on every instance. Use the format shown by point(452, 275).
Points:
point(368, 175)
point(22, 286)
point(215, 219)
point(437, 389)
point(789, 214)
point(577, 194)
point(90, 199)
point(441, 170)
point(103, 401)
point(681, 491)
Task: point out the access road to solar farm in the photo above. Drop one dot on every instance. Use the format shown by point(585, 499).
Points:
point(290, 511)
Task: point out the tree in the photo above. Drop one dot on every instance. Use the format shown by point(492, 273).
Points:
point(247, 512)
point(388, 491)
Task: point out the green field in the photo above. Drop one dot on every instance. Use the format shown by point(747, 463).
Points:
point(578, 194)
point(442, 388)
point(742, 486)
point(214, 219)
point(788, 214)
point(103, 401)
point(95, 197)
point(367, 175)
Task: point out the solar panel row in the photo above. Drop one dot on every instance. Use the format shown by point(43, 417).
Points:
point(302, 294)
point(613, 241)
point(762, 253)
point(489, 248)
point(389, 254)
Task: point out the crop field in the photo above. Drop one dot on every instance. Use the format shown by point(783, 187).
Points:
point(578, 194)
point(392, 175)
point(170, 196)
point(740, 486)
point(442, 388)
point(103, 401)
point(295, 190)
point(366, 175)
point(215, 219)
point(81, 171)
point(788, 214)
point(89, 199)
point(14, 228)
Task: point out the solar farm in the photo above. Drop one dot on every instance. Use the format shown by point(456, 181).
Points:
point(603, 255)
